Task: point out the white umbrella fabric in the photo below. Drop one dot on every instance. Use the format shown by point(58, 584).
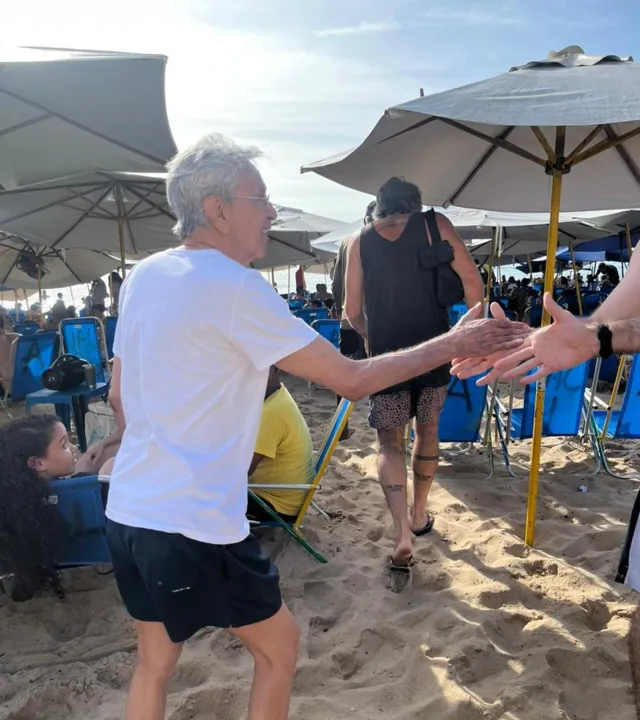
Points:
point(290, 239)
point(58, 268)
point(65, 112)
point(562, 133)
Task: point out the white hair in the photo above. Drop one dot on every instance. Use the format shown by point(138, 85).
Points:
point(209, 167)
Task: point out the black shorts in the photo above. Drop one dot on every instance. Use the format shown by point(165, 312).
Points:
point(188, 585)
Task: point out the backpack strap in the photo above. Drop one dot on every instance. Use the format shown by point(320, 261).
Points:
point(432, 225)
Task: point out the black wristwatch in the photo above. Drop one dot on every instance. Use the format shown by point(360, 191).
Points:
point(605, 338)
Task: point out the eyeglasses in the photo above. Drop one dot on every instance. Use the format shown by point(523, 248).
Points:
point(263, 200)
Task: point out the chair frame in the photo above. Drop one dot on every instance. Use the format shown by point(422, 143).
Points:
point(294, 529)
point(599, 437)
point(102, 338)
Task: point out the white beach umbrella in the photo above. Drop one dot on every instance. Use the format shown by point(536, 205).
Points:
point(122, 213)
point(558, 134)
point(21, 263)
point(290, 239)
point(64, 112)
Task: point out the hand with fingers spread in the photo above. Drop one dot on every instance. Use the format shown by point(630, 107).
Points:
point(477, 338)
point(566, 343)
point(467, 366)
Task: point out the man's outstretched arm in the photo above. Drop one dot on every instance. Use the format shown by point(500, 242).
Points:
point(624, 301)
point(322, 364)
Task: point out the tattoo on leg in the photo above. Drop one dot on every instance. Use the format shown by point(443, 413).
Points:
point(393, 488)
point(427, 458)
point(419, 477)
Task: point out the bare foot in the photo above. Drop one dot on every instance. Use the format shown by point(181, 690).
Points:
point(402, 553)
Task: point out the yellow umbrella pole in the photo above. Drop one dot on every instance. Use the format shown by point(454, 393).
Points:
point(530, 268)
point(552, 246)
point(575, 278)
point(627, 231)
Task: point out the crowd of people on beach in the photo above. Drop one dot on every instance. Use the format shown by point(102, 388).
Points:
point(192, 431)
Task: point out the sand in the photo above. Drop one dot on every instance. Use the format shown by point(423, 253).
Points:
point(488, 628)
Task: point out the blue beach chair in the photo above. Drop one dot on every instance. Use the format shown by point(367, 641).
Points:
point(329, 329)
point(563, 409)
point(26, 328)
point(340, 419)
point(110, 324)
point(462, 413)
point(623, 424)
point(32, 355)
point(85, 338)
point(310, 315)
point(79, 501)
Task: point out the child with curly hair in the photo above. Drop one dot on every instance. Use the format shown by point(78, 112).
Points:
point(33, 451)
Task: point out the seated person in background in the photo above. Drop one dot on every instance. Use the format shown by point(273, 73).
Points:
point(283, 453)
point(71, 312)
point(609, 272)
point(314, 304)
point(321, 292)
point(33, 451)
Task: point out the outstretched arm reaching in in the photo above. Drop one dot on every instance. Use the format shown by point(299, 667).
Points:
point(566, 343)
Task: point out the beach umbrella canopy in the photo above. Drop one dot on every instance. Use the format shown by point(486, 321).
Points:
point(122, 213)
point(64, 112)
point(558, 134)
point(290, 239)
point(492, 144)
point(21, 262)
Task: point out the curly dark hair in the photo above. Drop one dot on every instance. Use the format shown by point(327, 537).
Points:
point(31, 530)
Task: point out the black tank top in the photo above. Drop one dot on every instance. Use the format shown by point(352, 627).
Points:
point(399, 296)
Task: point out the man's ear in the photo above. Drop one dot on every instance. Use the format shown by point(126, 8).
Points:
point(217, 213)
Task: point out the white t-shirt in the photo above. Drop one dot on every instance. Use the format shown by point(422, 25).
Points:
point(196, 335)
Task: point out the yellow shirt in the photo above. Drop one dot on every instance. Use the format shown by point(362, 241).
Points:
point(285, 441)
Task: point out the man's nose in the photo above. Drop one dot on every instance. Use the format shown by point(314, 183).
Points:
point(271, 212)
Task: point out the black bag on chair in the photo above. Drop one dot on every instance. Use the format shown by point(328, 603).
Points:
point(66, 373)
point(448, 286)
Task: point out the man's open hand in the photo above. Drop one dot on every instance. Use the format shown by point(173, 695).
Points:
point(466, 365)
point(480, 338)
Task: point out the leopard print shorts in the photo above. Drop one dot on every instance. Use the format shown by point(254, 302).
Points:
point(394, 410)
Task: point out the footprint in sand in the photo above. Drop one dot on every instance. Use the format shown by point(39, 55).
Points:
point(474, 664)
point(506, 631)
point(580, 665)
point(320, 595)
point(223, 703)
point(189, 675)
point(597, 615)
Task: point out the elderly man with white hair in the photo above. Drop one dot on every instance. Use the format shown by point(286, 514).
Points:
point(189, 408)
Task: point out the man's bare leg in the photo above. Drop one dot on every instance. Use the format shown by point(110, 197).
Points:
point(274, 645)
point(633, 642)
point(157, 660)
point(392, 473)
point(424, 462)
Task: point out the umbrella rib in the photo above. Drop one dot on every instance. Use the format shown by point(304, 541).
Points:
point(86, 129)
point(159, 208)
point(632, 167)
point(479, 165)
point(544, 142)
point(606, 144)
point(33, 211)
point(502, 144)
point(80, 219)
point(71, 270)
point(25, 123)
point(583, 144)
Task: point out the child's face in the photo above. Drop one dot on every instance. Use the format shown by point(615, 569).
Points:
point(61, 457)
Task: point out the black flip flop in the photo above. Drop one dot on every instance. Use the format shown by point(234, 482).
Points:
point(426, 529)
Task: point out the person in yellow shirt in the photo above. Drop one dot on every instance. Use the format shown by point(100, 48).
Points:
point(283, 453)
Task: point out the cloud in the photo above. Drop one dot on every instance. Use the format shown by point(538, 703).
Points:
point(469, 16)
point(363, 28)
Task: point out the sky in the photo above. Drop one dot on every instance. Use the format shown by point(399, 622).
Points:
point(306, 79)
